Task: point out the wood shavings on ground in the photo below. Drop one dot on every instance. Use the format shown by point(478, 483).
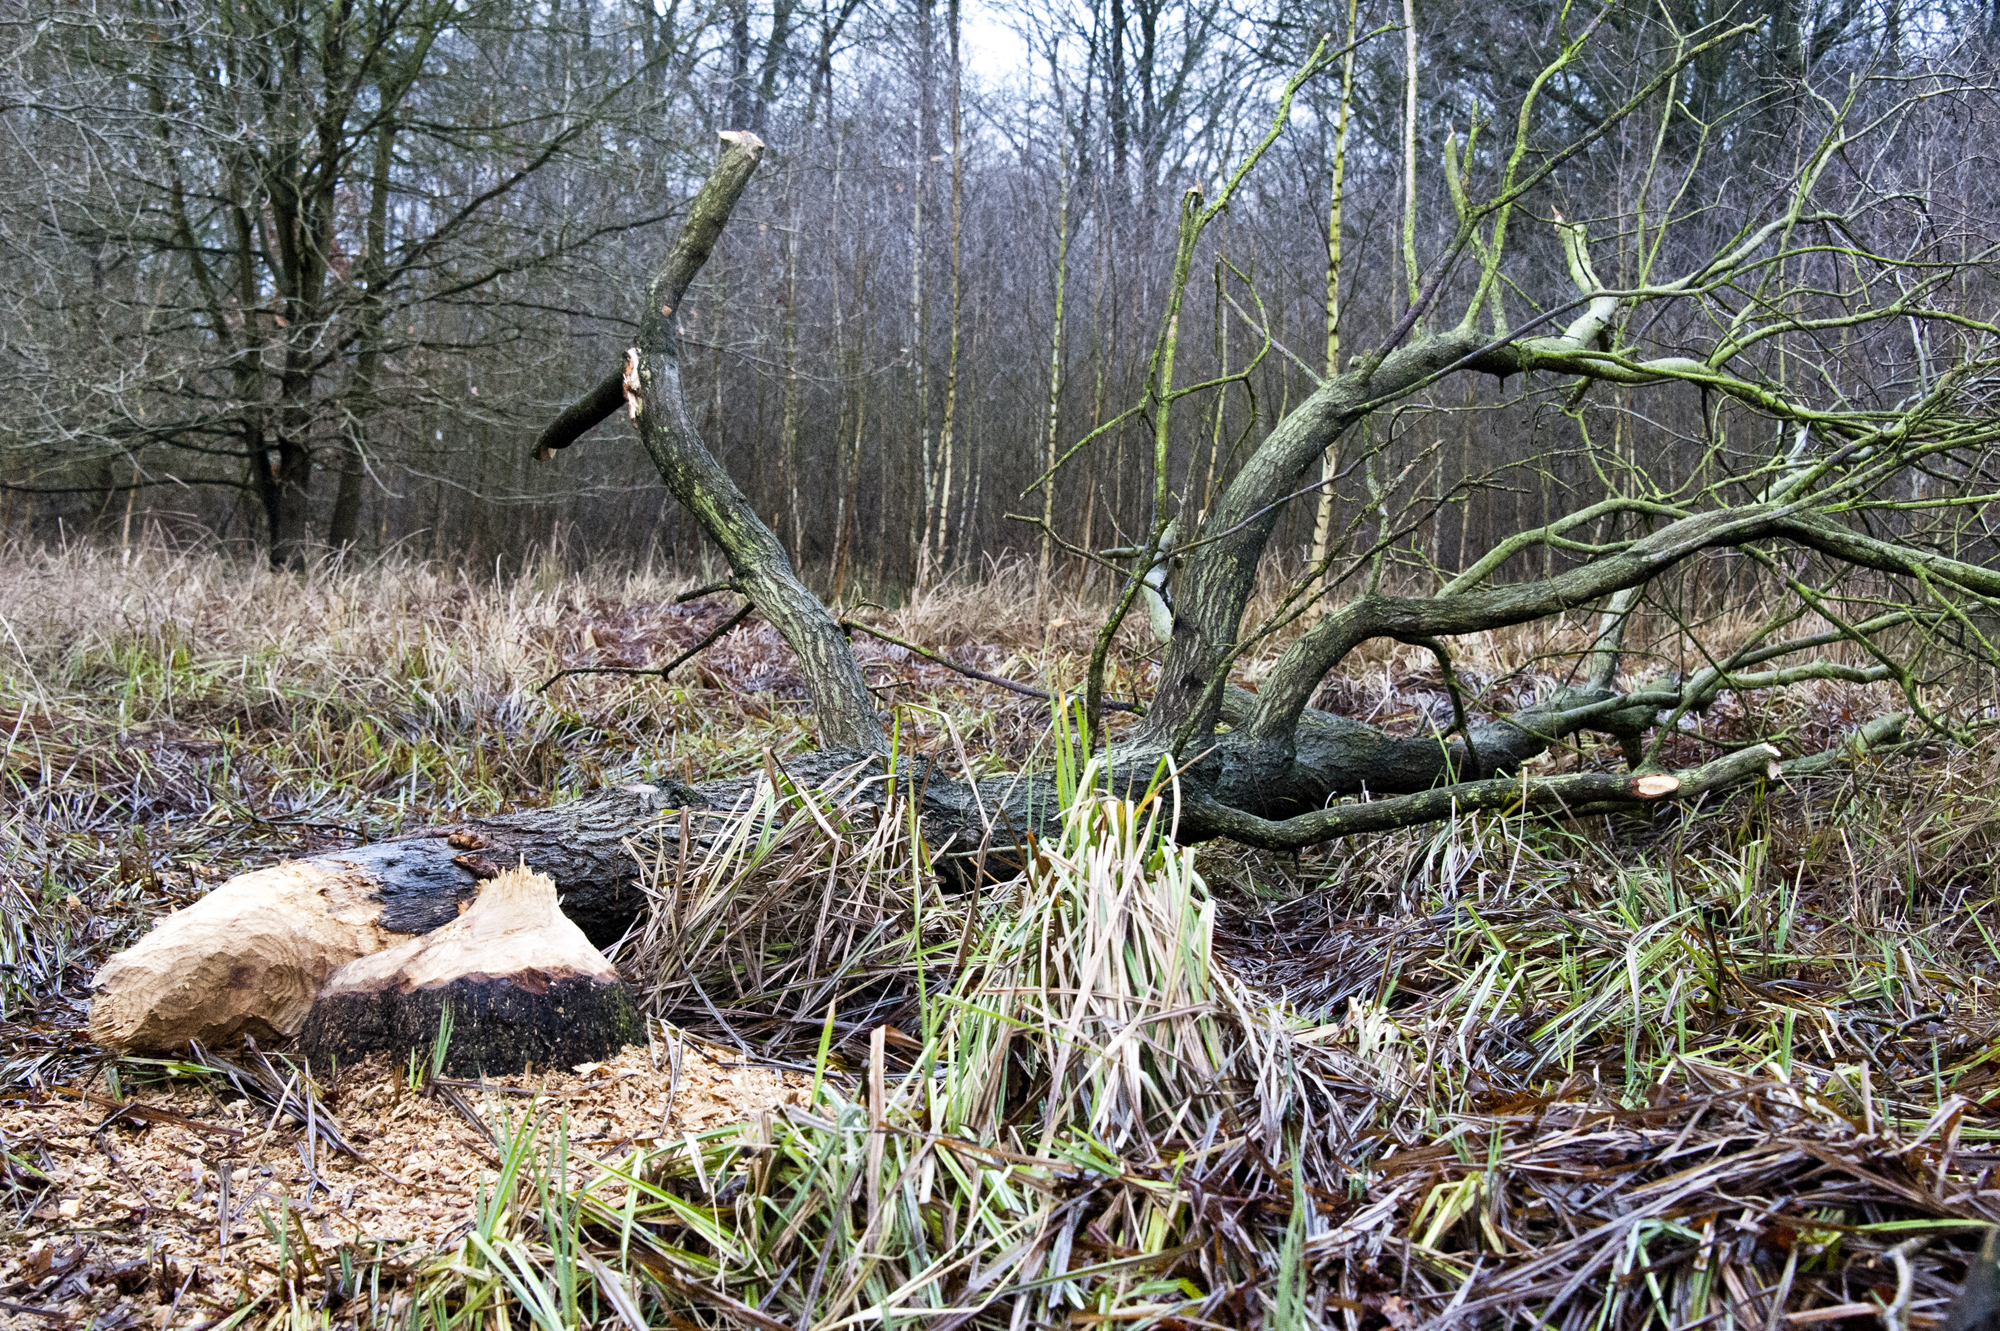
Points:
point(187, 1205)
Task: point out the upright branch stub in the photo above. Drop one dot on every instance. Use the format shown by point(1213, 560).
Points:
point(651, 386)
point(707, 214)
point(581, 416)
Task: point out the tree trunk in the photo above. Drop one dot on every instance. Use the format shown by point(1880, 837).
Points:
point(845, 707)
point(288, 500)
point(947, 431)
point(1330, 461)
point(1055, 375)
point(345, 524)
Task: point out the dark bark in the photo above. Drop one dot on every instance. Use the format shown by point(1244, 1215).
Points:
point(499, 1025)
point(344, 527)
point(582, 416)
point(287, 499)
point(345, 524)
point(1574, 792)
point(1326, 756)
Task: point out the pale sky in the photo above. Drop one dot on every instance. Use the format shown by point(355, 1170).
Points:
point(993, 52)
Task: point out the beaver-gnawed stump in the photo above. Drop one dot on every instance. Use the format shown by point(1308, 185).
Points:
point(524, 987)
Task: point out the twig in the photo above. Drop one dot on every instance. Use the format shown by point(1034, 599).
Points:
point(1895, 1315)
point(147, 1113)
point(708, 589)
point(55, 1314)
point(1025, 690)
point(661, 671)
point(451, 1096)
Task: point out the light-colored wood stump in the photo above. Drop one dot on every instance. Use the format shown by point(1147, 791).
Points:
point(249, 958)
point(524, 987)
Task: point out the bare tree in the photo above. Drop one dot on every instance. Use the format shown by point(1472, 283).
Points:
point(287, 195)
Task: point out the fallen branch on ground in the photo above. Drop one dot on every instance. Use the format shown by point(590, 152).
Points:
point(1572, 791)
point(669, 667)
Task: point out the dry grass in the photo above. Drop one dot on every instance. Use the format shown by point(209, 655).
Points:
point(1681, 1071)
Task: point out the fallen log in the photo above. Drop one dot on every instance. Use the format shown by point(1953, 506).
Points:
point(249, 958)
point(509, 985)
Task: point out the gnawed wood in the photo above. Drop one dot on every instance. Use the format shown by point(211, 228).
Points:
point(250, 956)
point(524, 988)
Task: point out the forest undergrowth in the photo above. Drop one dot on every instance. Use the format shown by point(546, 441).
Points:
point(1731, 1066)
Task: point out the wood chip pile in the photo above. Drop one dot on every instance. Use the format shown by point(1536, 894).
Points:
point(168, 1210)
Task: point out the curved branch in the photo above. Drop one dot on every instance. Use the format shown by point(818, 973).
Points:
point(763, 571)
point(1206, 817)
point(1308, 660)
point(1881, 733)
point(662, 671)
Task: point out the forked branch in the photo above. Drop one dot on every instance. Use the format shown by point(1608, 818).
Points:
point(651, 385)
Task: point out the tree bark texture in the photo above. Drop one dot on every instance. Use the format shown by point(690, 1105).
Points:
point(652, 387)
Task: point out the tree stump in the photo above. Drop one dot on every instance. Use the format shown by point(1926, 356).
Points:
point(249, 958)
point(522, 983)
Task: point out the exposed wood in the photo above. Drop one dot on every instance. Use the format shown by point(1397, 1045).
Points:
point(524, 988)
point(248, 958)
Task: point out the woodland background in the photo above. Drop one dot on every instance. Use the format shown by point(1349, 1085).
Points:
point(301, 275)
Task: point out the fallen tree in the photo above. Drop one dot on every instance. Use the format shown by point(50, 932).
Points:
point(1862, 507)
point(1815, 501)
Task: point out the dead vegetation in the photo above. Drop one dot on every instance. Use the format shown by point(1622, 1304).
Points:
point(1732, 1068)
point(200, 1199)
